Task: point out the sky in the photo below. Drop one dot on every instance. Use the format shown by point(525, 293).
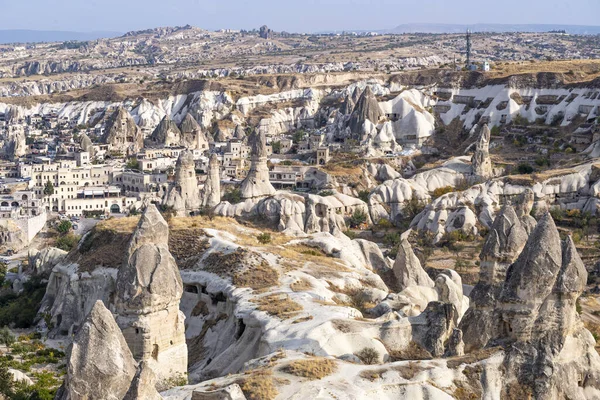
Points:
point(286, 15)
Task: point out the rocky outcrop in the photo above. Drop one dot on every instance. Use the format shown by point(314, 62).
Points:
point(86, 144)
point(167, 134)
point(366, 111)
point(481, 161)
point(184, 194)
point(257, 184)
point(100, 365)
point(15, 145)
point(122, 134)
point(148, 293)
point(45, 260)
point(549, 354)
point(408, 270)
point(143, 386)
point(192, 135)
point(231, 392)
point(502, 246)
point(211, 195)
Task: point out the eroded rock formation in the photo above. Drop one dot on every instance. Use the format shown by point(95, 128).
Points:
point(257, 184)
point(122, 134)
point(167, 133)
point(408, 270)
point(192, 135)
point(549, 354)
point(100, 365)
point(184, 194)
point(366, 114)
point(149, 290)
point(502, 246)
point(211, 195)
point(481, 161)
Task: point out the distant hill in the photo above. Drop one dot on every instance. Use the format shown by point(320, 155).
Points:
point(456, 28)
point(31, 36)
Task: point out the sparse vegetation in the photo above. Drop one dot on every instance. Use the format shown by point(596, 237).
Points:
point(358, 218)
point(442, 191)
point(259, 385)
point(264, 238)
point(278, 305)
point(368, 355)
point(314, 368)
point(233, 196)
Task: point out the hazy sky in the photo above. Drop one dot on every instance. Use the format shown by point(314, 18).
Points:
point(289, 15)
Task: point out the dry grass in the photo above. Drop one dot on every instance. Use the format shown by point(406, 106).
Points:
point(245, 268)
point(316, 368)
point(120, 225)
point(278, 305)
point(259, 385)
point(303, 319)
point(245, 235)
point(582, 70)
point(301, 285)
point(258, 277)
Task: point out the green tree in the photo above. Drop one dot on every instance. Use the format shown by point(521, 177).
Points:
point(3, 270)
point(6, 337)
point(364, 195)
point(132, 163)
point(358, 218)
point(64, 227)
point(49, 188)
point(276, 147)
point(67, 242)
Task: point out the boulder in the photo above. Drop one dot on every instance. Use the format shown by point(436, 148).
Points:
point(143, 386)
point(100, 364)
point(407, 268)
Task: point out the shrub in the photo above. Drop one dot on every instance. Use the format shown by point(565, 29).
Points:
point(525, 169)
point(442, 191)
point(326, 193)
point(6, 337)
point(520, 120)
point(312, 369)
point(264, 238)
point(358, 218)
point(368, 355)
point(392, 239)
point(542, 161)
point(233, 196)
point(350, 234)
point(364, 195)
point(64, 227)
point(132, 163)
point(259, 386)
point(67, 242)
point(276, 146)
point(3, 270)
point(22, 310)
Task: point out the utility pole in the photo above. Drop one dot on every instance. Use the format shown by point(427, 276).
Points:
point(468, 48)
